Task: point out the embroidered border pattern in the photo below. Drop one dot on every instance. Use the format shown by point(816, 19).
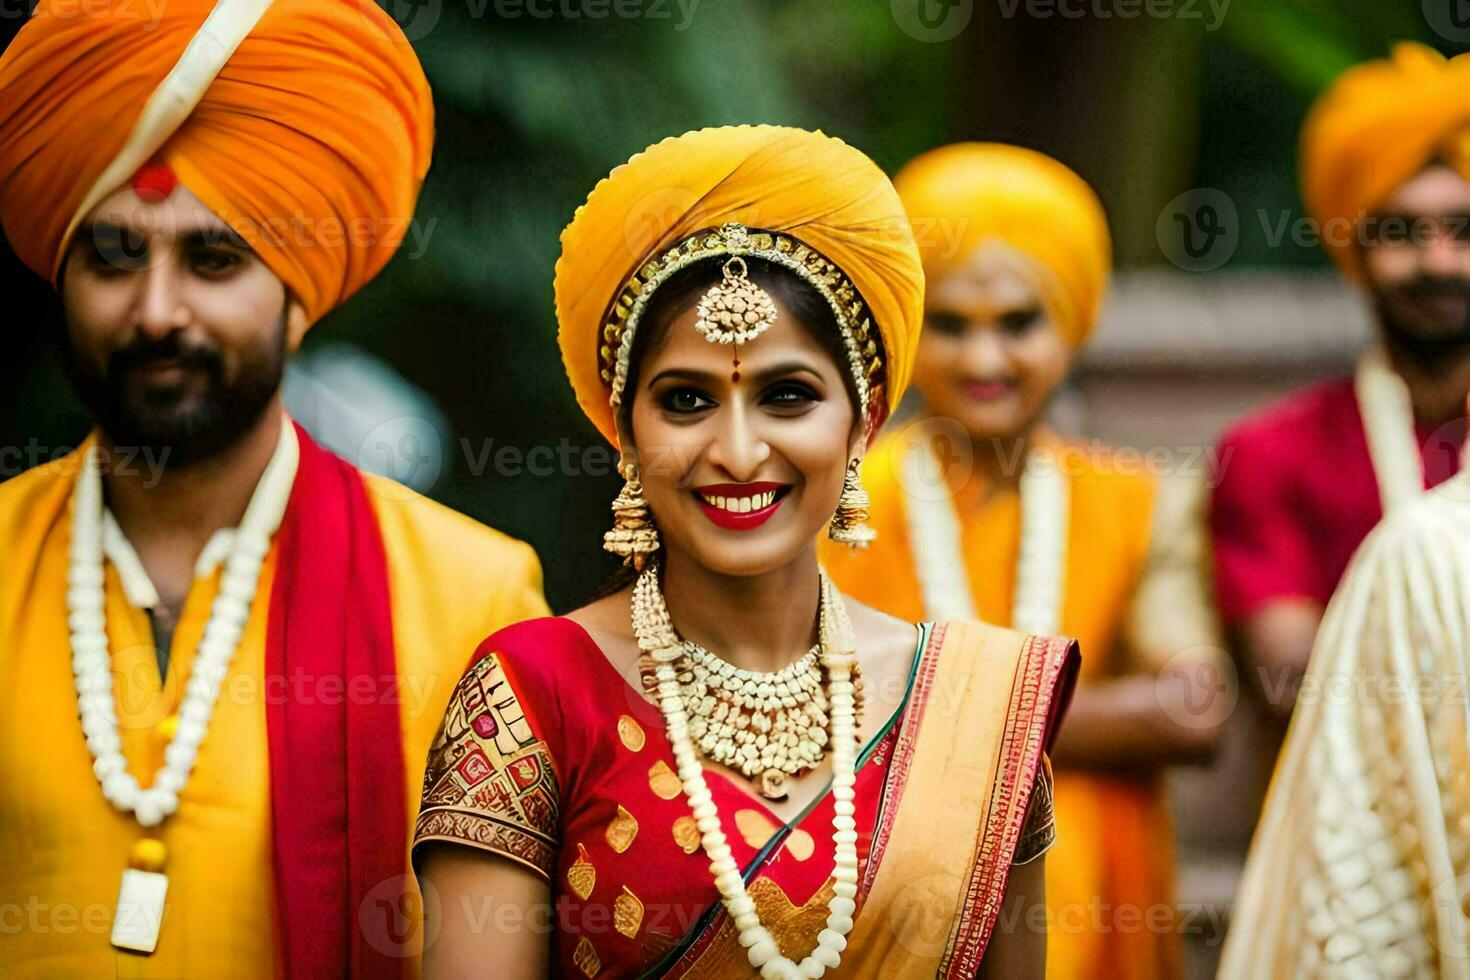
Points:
point(903, 756)
point(490, 782)
point(1021, 748)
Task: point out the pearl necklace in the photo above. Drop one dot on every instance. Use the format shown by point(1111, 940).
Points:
point(92, 665)
point(658, 639)
point(936, 537)
point(1388, 424)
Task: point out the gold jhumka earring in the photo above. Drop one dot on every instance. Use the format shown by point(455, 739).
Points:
point(849, 524)
point(634, 536)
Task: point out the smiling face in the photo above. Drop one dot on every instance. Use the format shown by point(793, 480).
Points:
point(1417, 260)
point(176, 332)
point(990, 355)
point(741, 476)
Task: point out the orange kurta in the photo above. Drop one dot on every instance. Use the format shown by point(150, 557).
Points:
point(1113, 860)
point(62, 845)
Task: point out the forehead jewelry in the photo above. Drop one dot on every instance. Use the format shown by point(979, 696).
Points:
point(734, 311)
point(730, 241)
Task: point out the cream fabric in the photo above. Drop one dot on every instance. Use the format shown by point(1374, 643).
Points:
point(1360, 866)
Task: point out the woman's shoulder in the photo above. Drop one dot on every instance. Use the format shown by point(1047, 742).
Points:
point(1041, 669)
point(538, 655)
point(1052, 658)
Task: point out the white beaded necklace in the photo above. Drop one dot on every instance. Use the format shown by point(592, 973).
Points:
point(935, 532)
point(1388, 424)
point(92, 667)
point(658, 638)
point(936, 538)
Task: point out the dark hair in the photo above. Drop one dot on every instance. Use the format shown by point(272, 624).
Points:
point(812, 311)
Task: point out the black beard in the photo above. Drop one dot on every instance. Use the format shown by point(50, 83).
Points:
point(1432, 352)
point(185, 423)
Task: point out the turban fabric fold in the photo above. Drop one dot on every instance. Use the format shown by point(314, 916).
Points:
point(967, 196)
point(311, 142)
point(1378, 125)
point(810, 186)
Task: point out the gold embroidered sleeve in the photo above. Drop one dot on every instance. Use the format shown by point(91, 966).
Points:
point(489, 783)
point(1040, 830)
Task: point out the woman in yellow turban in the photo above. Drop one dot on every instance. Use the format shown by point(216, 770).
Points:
point(984, 512)
point(726, 768)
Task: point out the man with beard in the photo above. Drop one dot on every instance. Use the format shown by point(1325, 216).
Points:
point(1386, 177)
point(257, 639)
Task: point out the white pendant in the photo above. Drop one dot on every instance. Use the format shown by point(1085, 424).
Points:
point(139, 910)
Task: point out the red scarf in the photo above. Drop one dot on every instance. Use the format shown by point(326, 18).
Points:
point(336, 760)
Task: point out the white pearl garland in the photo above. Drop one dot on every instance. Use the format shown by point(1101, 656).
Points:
point(92, 665)
point(935, 535)
point(657, 637)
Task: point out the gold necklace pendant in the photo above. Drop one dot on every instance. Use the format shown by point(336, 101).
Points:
point(772, 785)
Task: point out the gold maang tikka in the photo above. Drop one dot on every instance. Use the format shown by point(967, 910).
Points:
point(735, 310)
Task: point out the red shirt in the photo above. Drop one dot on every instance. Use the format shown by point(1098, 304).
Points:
point(1296, 494)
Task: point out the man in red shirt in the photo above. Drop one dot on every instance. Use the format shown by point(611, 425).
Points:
point(1386, 178)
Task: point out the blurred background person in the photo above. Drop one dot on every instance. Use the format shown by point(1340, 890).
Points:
point(1361, 861)
point(984, 512)
point(1384, 168)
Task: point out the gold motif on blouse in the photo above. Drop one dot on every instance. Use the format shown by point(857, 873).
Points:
point(621, 830)
point(489, 783)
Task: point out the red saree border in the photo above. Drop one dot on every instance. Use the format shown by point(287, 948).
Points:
point(1039, 694)
point(903, 756)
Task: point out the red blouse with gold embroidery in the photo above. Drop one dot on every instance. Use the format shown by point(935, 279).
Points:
point(550, 758)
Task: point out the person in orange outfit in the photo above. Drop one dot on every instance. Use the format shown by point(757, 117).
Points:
point(223, 651)
point(984, 512)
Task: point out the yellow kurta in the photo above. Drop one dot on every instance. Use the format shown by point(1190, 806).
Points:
point(62, 845)
point(1114, 846)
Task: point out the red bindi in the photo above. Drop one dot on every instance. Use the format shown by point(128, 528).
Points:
point(154, 181)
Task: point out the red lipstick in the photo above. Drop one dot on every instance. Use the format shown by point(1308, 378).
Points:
point(988, 391)
point(740, 506)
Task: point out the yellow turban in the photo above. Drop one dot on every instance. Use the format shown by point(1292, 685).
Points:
point(1378, 125)
point(969, 195)
point(311, 141)
point(807, 185)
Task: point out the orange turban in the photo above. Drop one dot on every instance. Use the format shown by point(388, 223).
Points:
point(806, 185)
point(969, 195)
point(311, 141)
point(1375, 127)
